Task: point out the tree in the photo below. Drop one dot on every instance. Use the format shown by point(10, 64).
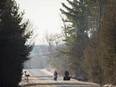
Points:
point(100, 52)
point(56, 58)
point(107, 44)
point(75, 29)
point(13, 48)
point(92, 61)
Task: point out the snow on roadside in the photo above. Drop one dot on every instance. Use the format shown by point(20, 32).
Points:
point(108, 85)
point(46, 71)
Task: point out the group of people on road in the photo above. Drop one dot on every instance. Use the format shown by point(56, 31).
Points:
point(66, 75)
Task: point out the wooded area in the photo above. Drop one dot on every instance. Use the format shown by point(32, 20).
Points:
point(13, 48)
point(87, 49)
point(89, 28)
point(89, 40)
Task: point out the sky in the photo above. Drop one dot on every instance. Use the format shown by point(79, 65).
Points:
point(44, 16)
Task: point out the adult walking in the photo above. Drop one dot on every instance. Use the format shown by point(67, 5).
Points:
point(55, 75)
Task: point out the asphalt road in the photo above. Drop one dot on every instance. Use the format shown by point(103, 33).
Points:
point(40, 74)
point(45, 79)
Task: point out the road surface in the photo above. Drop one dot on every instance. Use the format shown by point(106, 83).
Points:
point(43, 78)
point(40, 74)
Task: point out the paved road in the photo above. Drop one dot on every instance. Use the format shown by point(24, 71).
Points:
point(45, 79)
point(40, 74)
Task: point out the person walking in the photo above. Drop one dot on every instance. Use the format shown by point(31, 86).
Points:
point(55, 75)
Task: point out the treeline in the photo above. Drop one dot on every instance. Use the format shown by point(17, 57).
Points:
point(89, 39)
point(13, 48)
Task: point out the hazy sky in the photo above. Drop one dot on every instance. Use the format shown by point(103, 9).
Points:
point(43, 14)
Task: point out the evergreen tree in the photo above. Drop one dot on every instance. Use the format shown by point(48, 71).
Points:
point(13, 50)
point(76, 27)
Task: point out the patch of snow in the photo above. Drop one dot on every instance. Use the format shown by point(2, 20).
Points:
point(49, 73)
point(108, 85)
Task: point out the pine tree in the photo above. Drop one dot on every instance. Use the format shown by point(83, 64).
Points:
point(13, 50)
point(76, 26)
